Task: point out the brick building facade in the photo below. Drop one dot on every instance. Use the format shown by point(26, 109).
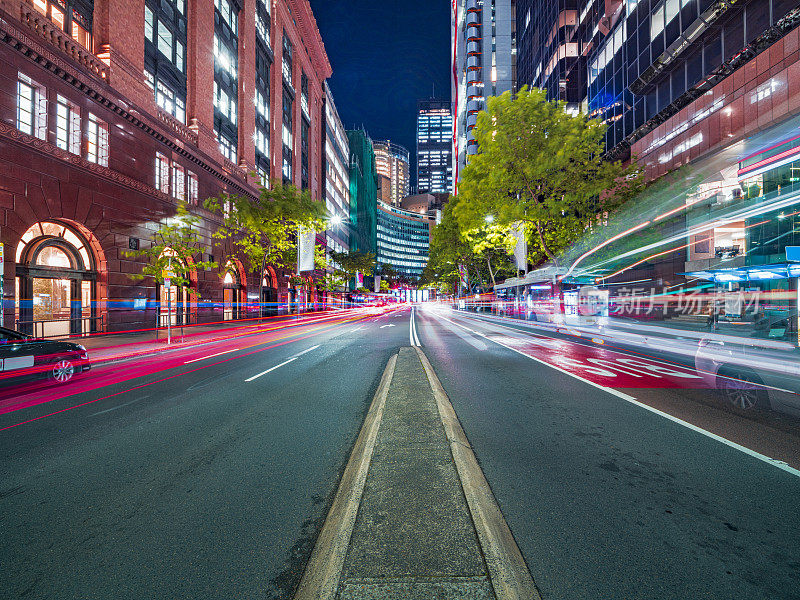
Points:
point(112, 112)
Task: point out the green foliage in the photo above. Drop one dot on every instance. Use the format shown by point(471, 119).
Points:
point(541, 166)
point(388, 274)
point(174, 247)
point(264, 231)
point(350, 263)
point(483, 250)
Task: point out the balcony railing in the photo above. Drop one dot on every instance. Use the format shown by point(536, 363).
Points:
point(46, 29)
point(176, 126)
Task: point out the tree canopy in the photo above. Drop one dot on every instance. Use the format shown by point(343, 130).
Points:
point(541, 166)
point(264, 231)
point(173, 248)
point(482, 250)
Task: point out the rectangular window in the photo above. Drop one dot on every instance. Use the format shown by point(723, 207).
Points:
point(178, 183)
point(179, 54)
point(164, 41)
point(287, 58)
point(81, 35)
point(162, 173)
point(31, 107)
point(228, 14)
point(68, 126)
point(148, 23)
point(57, 16)
point(191, 181)
point(657, 22)
point(227, 148)
point(262, 108)
point(97, 141)
point(41, 6)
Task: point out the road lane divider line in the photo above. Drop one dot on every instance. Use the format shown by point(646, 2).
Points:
point(509, 574)
point(108, 410)
point(324, 569)
point(412, 330)
point(286, 362)
point(186, 362)
point(745, 450)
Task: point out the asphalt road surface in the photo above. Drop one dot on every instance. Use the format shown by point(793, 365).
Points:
point(196, 483)
point(206, 472)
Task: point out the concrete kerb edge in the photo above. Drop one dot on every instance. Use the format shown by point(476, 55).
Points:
point(320, 580)
point(509, 574)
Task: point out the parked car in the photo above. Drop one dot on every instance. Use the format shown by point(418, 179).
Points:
point(25, 357)
point(752, 373)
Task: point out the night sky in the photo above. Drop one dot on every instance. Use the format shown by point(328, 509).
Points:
point(386, 55)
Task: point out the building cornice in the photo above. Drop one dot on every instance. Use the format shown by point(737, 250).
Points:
point(309, 31)
point(96, 87)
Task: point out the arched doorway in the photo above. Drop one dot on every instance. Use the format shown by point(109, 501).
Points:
point(174, 301)
point(56, 282)
point(269, 293)
point(231, 293)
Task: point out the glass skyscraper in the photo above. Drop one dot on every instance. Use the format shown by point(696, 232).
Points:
point(434, 147)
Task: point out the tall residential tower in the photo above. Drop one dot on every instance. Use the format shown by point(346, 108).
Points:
point(483, 64)
point(393, 164)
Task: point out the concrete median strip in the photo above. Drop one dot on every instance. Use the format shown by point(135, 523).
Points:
point(509, 574)
point(414, 517)
point(321, 578)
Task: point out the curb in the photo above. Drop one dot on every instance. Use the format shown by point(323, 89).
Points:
point(509, 575)
point(321, 578)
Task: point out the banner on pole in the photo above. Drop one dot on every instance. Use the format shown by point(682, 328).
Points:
point(359, 279)
point(377, 287)
point(305, 249)
point(521, 247)
point(463, 278)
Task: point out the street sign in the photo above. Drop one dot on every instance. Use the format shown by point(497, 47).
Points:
point(793, 253)
point(167, 274)
point(167, 282)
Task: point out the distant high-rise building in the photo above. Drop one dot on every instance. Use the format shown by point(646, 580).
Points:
point(483, 65)
point(363, 193)
point(434, 147)
point(403, 240)
point(392, 161)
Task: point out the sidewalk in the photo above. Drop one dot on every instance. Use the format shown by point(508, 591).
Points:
point(405, 529)
point(109, 346)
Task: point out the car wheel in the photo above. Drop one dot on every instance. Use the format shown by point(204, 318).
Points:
point(62, 370)
point(743, 389)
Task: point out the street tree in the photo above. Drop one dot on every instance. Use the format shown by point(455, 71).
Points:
point(264, 231)
point(350, 263)
point(541, 166)
point(176, 247)
point(483, 251)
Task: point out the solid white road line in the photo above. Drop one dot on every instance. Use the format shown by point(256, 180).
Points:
point(186, 362)
point(108, 410)
point(412, 330)
point(762, 457)
point(286, 362)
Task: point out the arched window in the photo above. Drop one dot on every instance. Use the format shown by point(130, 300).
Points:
point(269, 293)
point(55, 285)
point(231, 293)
